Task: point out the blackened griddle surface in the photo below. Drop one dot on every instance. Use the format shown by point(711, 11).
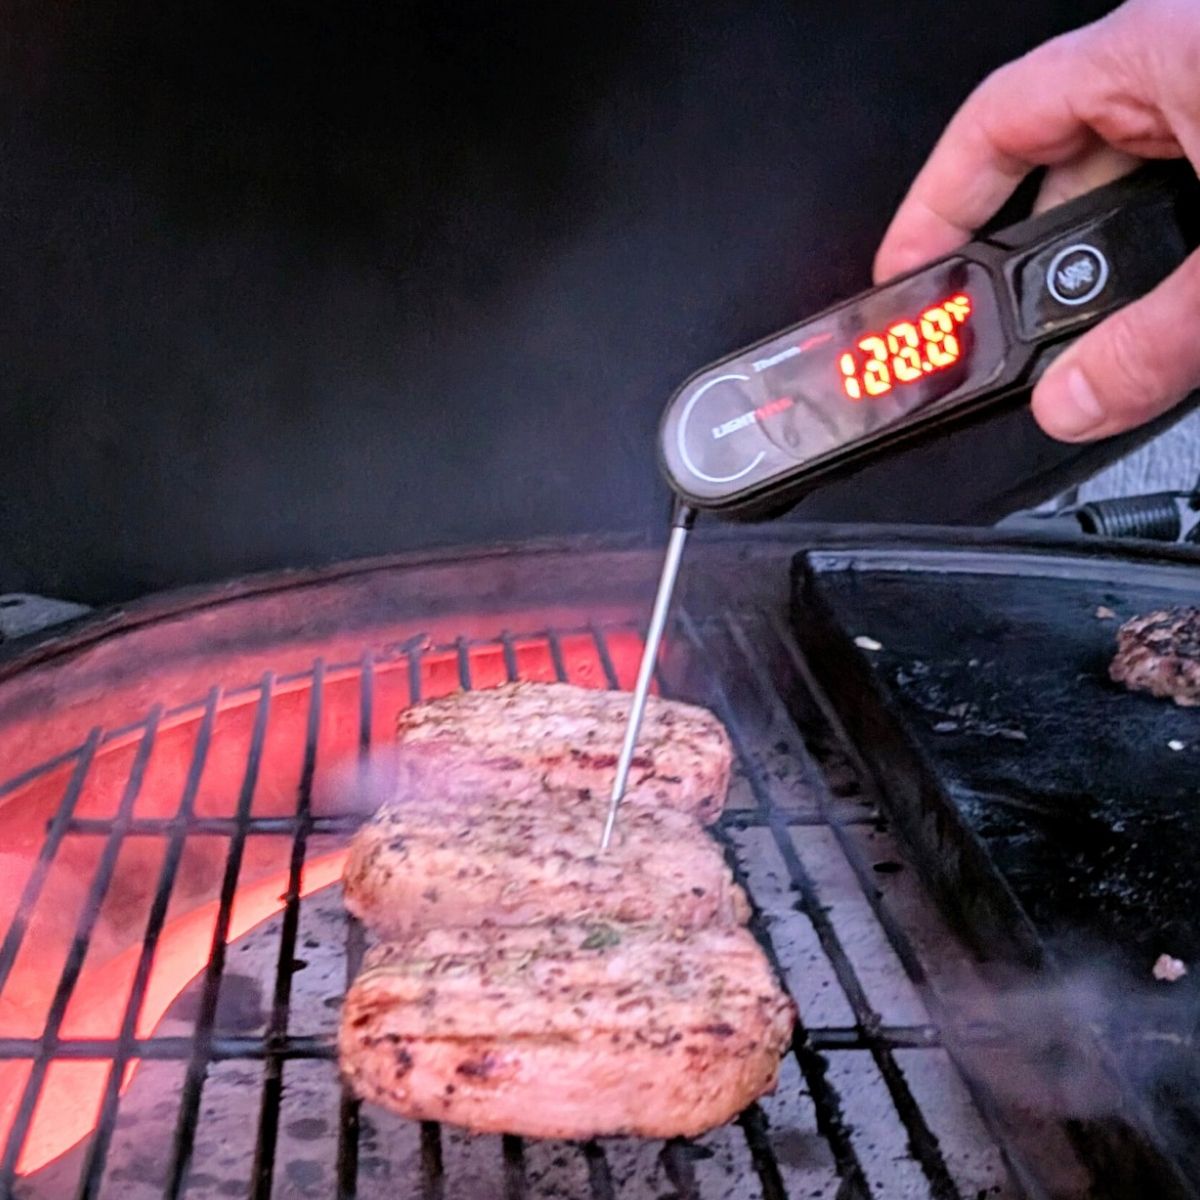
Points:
point(1055, 814)
point(994, 658)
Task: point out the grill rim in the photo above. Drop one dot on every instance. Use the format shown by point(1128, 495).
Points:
point(21, 654)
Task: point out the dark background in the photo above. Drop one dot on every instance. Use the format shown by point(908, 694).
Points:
point(284, 284)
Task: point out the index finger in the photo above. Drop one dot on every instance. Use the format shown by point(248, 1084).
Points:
point(1024, 115)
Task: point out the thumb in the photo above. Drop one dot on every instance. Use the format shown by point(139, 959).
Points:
point(1130, 368)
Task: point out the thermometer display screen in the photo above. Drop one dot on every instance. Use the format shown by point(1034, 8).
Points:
point(843, 377)
point(906, 351)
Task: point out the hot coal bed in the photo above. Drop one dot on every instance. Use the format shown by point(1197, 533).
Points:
point(174, 949)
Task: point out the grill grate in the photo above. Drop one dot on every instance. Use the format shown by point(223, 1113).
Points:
point(849, 1069)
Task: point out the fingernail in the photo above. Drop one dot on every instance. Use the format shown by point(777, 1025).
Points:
point(1073, 408)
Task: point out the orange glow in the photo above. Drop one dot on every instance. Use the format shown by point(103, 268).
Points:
point(69, 1104)
point(72, 1091)
point(904, 355)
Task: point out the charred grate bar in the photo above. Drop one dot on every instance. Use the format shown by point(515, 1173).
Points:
point(277, 1028)
point(189, 1106)
point(310, 1048)
point(922, 1139)
point(277, 1045)
point(75, 956)
point(126, 1048)
point(349, 1106)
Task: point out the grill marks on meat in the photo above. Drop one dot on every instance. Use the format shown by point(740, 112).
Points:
point(1159, 653)
point(535, 986)
point(567, 1030)
point(526, 736)
point(510, 861)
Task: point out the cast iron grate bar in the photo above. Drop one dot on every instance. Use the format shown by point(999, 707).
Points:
point(464, 663)
point(218, 826)
point(826, 1103)
point(125, 1048)
point(347, 824)
point(556, 656)
point(754, 1126)
point(761, 1155)
point(37, 877)
point(923, 1142)
point(277, 1027)
point(897, 936)
point(599, 1176)
point(432, 1172)
point(511, 669)
point(349, 1106)
point(606, 662)
point(432, 1169)
point(197, 1069)
point(513, 1149)
point(414, 675)
point(174, 1047)
point(320, 1049)
point(677, 1159)
point(76, 954)
point(17, 782)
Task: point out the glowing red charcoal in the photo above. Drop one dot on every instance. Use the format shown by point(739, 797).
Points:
point(72, 1091)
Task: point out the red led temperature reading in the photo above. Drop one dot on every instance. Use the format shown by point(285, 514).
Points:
point(906, 352)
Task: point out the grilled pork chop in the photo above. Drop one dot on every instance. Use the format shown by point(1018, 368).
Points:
point(1159, 653)
point(567, 1031)
point(510, 860)
point(521, 735)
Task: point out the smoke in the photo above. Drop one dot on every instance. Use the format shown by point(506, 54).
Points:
point(1088, 1043)
point(390, 773)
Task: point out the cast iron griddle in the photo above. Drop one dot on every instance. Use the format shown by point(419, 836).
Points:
point(1055, 814)
point(994, 661)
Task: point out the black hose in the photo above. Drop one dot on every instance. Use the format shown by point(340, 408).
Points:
point(1155, 517)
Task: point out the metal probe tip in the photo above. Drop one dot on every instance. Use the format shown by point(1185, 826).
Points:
point(680, 524)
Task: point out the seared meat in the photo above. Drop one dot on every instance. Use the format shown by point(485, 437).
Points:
point(513, 860)
point(522, 735)
point(1160, 653)
point(568, 1031)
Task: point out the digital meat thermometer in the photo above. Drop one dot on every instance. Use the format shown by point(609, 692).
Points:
point(946, 344)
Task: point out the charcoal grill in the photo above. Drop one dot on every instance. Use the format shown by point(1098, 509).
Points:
point(174, 949)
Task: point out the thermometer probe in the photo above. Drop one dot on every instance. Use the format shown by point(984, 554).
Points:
point(944, 345)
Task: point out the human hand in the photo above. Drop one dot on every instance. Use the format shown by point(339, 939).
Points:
point(1088, 105)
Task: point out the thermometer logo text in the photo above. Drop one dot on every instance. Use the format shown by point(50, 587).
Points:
point(757, 414)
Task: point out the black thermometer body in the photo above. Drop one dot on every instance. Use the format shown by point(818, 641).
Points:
point(749, 435)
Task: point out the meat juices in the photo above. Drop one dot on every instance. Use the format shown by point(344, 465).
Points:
point(567, 1030)
point(1159, 653)
point(523, 736)
point(515, 861)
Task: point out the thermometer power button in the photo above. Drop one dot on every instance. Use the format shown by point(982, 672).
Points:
point(1077, 274)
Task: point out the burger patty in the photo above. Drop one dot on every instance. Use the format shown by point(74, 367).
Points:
point(571, 1030)
point(1159, 653)
point(511, 860)
point(529, 736)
